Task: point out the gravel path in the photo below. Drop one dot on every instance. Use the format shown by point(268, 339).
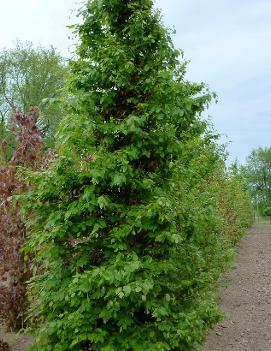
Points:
point(247, 299)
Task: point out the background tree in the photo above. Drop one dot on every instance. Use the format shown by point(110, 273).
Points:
point(257, 173)
point(32, 77)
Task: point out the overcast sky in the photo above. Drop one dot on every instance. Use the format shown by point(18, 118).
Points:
point(227, 42)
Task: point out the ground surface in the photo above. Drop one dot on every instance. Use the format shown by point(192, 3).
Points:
point(18, 342)
point(247, 299)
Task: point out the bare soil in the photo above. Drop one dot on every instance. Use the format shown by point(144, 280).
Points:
point(17, 342)
point(246, 301)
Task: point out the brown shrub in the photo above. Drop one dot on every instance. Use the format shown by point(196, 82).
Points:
point(14, 270)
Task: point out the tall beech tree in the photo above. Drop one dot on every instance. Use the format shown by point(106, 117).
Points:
point(124, 260)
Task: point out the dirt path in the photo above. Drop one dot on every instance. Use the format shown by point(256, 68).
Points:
point(247, 299)
point(18, 342)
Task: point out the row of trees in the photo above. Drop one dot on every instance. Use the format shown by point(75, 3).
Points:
point(130, 222)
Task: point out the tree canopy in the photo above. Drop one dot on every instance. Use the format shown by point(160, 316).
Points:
point(257, 172)
point(31, 77)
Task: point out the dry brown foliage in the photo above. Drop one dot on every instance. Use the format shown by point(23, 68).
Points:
point(14, 271)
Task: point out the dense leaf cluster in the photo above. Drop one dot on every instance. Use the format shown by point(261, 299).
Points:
point(125, 225)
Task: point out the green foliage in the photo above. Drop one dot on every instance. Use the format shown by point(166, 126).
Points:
point(267, 211)
point(257, 173)
point(235, 204)
point(8, 144)
point(32, 77)
point(124, 225)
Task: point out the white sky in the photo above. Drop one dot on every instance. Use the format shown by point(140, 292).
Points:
point(39, 21)
point(227, 41)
